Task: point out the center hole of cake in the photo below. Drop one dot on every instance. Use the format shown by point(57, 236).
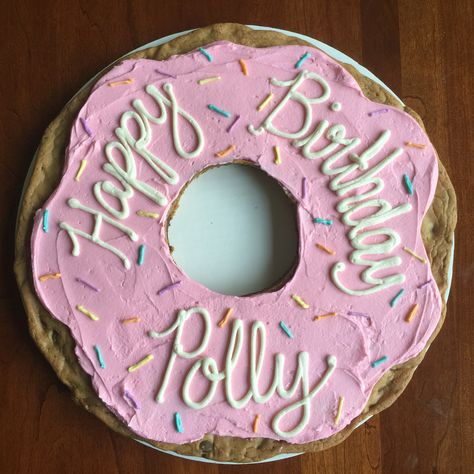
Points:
point(234, 230)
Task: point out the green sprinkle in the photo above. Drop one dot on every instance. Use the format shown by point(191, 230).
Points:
point(408, 184)
point(214, 108)
point(377, 362)
point(99, 357)
point(396, 298)
point(302, 60)
point(286, 329)
point(318, 220)
point(178, 422)
point(206, 53)
point(45, 220)
point(141, 254)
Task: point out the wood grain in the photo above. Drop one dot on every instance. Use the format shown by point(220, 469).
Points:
point(422, 50)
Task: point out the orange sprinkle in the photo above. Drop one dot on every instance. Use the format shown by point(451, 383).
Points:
point(321, 316)
point(225, 152)
point(226, 317)
point(131, 320)
point(50, 276)
point(120, 83)
point(256, 422)
point(415, 145)
point(243, 66)
point(328, 250)
point(411, 314)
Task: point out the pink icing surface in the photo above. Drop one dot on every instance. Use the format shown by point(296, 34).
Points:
point(355, 340)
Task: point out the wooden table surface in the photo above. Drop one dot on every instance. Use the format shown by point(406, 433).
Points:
point(423, 50)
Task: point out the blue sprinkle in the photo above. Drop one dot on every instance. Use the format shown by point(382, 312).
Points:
point(99, 357)
point(178, 422)
point(218, 110)
point(396, 297)
point(318, 220)
point(286, 329)
point(302, 60)
point(408, 184)
point(45, 220)
point(206, 53)
point(377, 362)
point(141, 254)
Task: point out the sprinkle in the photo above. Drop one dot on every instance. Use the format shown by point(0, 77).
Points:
point(92, 287)
point(318, 220)
point(327, 315)
point(99, 357)
point(206, 53)
point(226, 317)
point(396, 297)
point(86, 127)
point(231, 126)
point(339, 410)
point(130, 320)
point(141, 254)
point(128, 396)
point(286, 329)
point(413, 254)
point(87, 312)
point(178, 422)
point(141, 363)
point(49, 276)
point(166, 74)
point(169, 287)
point(408, 184)
point(151, 215)
point(265, 102)
point(225, 152)
point(81, 169)
point(415, 145)
point(243, 66)
point(207, 80)
point(256, 422)
point(302, 60)
point(411, 314)
point(304, 188)
point(300, 301)
point(358, 313)
point(276, 152)
point(45, 220)
point(328, 250)
point(377, 112)
point(120, 83)
point(218, 110)
point(377, 362)
point(426, 283)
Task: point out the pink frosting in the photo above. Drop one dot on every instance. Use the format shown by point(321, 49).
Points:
point(356, 340)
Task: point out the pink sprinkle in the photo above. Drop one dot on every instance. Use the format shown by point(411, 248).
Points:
point(169, 287)
point(127, 395)
point(305, 187)
point(231, 126)
point(166, 74)
point(358, 313)
point(377, 112)
point(92, 287)
point(86, 127)
point(426, 283)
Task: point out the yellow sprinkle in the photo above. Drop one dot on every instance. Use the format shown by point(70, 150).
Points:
point(339, 410)
point(81, 169)
point(300, 301)
point(243, 66)
point(225, 152)
point(152, 215)
point(201, 82)
point(415, 145)
point(411, 314)
point(276, 151)
point(265, 102)
point(321, 316)
point(130, 320)
point(328, 250)
point(413, 254)
point(226, 317)
point(87, 312)
point(49, 276)
point(141, 363)
point(120, 83)
point(256, 422)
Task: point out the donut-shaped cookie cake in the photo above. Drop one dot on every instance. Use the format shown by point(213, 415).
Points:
point(299, 364)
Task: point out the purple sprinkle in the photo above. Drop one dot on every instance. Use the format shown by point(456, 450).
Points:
point(86, 127)
point(231, 126)
point(377, 112)
point(358, 313)
point(169, 287)
point(305, 187)
point(128, 396)
point(80, 280)
point(166, 74)
point(426, 283)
